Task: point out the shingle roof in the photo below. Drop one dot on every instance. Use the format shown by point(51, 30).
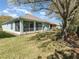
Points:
point(30, 17)
point(33, 18)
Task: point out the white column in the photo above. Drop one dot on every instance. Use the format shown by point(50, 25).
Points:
point(34, 25)
point(29, 26)
point(13, 26)
point(49, 26)
point(21, 26)
point(42, 26)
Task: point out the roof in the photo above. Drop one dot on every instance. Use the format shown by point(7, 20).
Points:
point(30, 17)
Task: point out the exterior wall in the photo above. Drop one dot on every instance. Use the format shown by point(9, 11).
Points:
point(7, 28)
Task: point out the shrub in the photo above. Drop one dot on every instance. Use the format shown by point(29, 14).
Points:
point(63, 55)
point(5, 35)
point(45, 36)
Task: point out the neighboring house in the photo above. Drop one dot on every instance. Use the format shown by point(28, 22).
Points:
point(27, 24)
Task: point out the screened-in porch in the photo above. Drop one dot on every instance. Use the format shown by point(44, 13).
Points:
point(27, 26)
point(31, 26)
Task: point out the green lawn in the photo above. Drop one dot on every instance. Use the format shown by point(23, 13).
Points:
point(21, 47)
point(5, 35)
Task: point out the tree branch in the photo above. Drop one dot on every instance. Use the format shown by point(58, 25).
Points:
point(56, 5)
point(61, 4)
point(74, 9)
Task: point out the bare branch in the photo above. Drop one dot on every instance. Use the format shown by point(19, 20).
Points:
point(56, 5)
point(74, 9)
point(62, 5)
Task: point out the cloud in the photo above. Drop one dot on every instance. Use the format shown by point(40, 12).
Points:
point(55, 20)
point(14, 12)
point(5, 11)
point(24, 11)
point(13, 15)
point(42, 13)
point(20, 10)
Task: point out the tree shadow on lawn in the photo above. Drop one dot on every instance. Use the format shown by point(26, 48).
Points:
point(5, 35)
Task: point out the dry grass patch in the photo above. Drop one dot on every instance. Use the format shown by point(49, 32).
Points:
point(21, 47)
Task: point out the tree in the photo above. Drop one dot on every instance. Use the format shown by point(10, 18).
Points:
point(66, 9)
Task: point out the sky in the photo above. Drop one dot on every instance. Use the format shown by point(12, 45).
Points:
point(3, 4)
point(10, 10)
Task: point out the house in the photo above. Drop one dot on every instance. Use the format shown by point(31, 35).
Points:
point(27, 24)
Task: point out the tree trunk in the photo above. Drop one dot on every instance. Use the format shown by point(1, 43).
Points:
point(77, 31)
point(64, 31)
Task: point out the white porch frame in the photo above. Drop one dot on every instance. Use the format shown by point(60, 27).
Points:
point(34, 25)
point(21, 26)
point(13, 26)
point(34, 28)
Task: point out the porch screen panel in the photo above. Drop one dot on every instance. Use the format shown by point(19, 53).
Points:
point(31, 26)
point(38, 26)
point(26, 25)
point(17, 25)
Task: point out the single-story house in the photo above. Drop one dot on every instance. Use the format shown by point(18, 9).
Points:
point(27, 24)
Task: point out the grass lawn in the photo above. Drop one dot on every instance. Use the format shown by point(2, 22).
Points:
point(21, 47)
point(5, 35)
point(18, 48)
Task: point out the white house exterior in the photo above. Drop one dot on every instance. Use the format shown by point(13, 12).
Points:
point(26, 24)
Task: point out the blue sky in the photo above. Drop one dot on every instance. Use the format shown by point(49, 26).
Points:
point(3, 4)
point(14, 11)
